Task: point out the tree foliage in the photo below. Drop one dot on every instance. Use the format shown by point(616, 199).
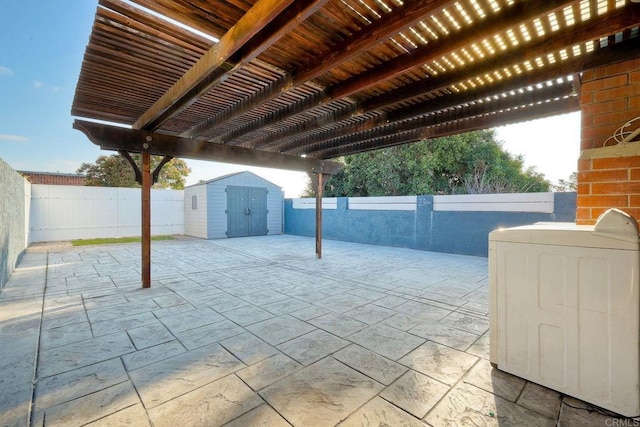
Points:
point(570, 184)
point(115, 171)
point(467, 163)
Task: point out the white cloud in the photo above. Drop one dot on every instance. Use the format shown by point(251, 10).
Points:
point(4, 71)
point(40, 85)
point(13, 138)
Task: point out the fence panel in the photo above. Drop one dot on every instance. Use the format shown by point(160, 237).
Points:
point(61, 212)
point(391, 203)
point(510, 202)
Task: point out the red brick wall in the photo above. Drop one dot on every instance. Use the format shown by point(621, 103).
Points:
point(608, 177)
point(608, 182)
point(54, 179)
point(609, 97)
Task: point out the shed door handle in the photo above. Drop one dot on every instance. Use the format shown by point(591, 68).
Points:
point(247, 211)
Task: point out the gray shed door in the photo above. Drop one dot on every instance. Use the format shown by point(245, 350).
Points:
point(246, 211)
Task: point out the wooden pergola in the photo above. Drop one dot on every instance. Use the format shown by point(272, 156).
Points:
point(291, 84)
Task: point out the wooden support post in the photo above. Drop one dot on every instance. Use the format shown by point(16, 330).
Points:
point(146, 220)
point(319, 188)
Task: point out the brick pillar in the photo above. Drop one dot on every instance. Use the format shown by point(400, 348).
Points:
point(608, 176)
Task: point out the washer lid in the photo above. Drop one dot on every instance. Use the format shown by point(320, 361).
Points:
point(617, 224)
point(611, 234)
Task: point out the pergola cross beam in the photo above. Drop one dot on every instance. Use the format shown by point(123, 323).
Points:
point(589, 30)
point(519, 12)
point(138, 141)
point(212, 67)
point(409, 13)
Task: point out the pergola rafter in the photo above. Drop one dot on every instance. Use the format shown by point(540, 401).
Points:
point(404, 16)
point(398, 65)
point(306, 134)
point(255, 32)
point(578, 35)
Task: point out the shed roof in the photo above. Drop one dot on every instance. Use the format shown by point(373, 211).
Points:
point(325, 78)
point(229, 175)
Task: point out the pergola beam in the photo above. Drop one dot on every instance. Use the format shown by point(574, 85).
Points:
point(477, 105)
point(138, 141)
point(306, 143)
point(406, 15)
point(457, 123)
point(579, 34)
point(210, 68)
point(518, 13)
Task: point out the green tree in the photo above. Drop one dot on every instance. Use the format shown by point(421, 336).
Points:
point(473, 162)
point(570, 184)
point(115, 171)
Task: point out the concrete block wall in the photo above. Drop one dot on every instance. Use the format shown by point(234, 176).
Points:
point(425, 227)
point(14, 219)
point(608, 174)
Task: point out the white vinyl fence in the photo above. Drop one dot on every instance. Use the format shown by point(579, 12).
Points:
point(507, 202)
point(504, 202)
point(60, 212)
point(308, 203)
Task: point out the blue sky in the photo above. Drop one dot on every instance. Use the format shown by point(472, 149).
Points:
point(41, 47)
point(42, 43)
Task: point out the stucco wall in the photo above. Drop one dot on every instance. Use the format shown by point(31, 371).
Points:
point(425, 226)
point(14, 207)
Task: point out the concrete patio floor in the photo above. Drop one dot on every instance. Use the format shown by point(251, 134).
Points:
point(256, 331)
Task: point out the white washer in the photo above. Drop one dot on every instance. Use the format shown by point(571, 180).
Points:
point(565, 308)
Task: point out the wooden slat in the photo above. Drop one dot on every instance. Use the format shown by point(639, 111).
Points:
point(580, 33)
point(455, 125)
point(215, 19)
point(388, 125)
point(520, 12)
point(401, 64)
point(572, 65)
point(410, 12)
point(137, 19)
point(195, 81)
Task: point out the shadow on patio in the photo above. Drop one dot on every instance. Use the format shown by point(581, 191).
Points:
point(256, 331)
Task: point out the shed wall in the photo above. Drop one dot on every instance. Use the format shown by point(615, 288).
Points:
point(195, 220)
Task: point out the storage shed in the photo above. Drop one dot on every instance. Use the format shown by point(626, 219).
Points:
point(241, 204)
